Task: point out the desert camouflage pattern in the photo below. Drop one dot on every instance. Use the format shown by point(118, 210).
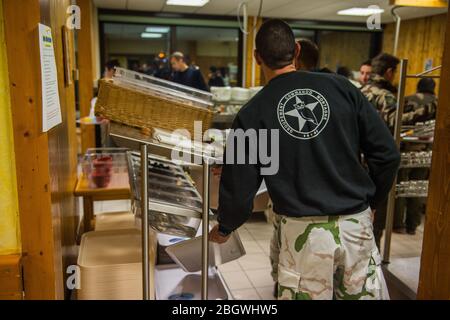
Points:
point(380, 94)
point(419, 107)
point(275, 246)
point(333, 257)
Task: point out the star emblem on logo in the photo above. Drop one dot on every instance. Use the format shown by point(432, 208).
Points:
point(303, 113)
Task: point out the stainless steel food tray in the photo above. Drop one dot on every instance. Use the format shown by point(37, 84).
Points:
point(186, 253)
point(172, 283)
point(175, 206)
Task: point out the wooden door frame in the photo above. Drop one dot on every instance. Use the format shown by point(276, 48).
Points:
point(434, 281)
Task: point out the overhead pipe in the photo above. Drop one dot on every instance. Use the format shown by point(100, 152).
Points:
point(398, 21)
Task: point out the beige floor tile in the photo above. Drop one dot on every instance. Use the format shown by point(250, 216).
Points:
point(258, 226)
point(245, 294)
point(260, 278)
point(266, 293)
point(261, 234)
point(236, 280)
point(230, 266)
point(251, 246)
point(264, 245)
point(244, 234)
point(254, 261)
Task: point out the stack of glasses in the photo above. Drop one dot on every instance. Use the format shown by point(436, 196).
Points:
point(413, 188)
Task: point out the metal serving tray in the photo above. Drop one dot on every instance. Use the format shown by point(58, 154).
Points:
point(186, 253)
point(174, 204)
point(172, 283)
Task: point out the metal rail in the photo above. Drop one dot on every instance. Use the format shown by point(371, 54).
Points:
point(397, 131)
point(205, 230)
point(144, 229)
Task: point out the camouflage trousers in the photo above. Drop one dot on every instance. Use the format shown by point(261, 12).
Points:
point(330, 257)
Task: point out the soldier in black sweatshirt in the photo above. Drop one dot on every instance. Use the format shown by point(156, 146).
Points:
point(322, 125)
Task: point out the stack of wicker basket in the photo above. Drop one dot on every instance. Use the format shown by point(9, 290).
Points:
point(145, 102)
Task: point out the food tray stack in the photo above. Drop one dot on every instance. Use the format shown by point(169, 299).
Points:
point(110, 265)
point(146, 102)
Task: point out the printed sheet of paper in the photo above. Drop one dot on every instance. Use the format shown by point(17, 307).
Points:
point(51, 109)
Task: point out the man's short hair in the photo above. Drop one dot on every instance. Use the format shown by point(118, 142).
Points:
point(309, 54)
point(344, 71)
point(111, 64)
point(384, 61)
point(177, 55)
point(366, 63)
point(275, 44)
point(426, 85)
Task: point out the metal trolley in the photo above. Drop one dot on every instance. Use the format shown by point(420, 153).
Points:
point(133, 139)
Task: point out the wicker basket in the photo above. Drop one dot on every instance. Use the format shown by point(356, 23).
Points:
point(147, 110)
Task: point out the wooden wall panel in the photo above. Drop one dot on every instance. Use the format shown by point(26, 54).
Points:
point(11, 277)
point(340, 48)
point(85, 64)
point(31, 149)
point(9, 207)
point(434, 282)
point(63, 145)
point(420, 39)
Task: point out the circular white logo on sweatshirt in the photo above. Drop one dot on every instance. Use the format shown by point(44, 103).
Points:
point(303, 113)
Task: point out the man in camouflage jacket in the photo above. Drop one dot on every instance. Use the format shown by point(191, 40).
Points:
point(419, 107)
point(382, 95)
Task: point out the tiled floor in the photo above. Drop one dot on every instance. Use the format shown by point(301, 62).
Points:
point(249, 277)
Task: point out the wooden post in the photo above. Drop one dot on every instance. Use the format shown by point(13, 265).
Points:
point(434, 282)
point(86, 73)
point(250, 38)
point(31, 148)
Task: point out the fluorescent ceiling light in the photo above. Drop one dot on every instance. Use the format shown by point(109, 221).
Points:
point(189, 3)
point(360, 11)
point(149, 35)
point(157, 29)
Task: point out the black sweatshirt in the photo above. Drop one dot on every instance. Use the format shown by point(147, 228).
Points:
point(190, 77)
point(324, 125)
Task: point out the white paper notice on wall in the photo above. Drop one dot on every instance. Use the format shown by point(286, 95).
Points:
point(51, 109)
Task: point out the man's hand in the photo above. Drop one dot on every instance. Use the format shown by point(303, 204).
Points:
point(215, 236)
point(373, 214)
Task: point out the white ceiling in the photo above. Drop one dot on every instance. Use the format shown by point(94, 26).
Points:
point(289, 9)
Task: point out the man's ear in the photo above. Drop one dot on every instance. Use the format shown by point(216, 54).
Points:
point(389, 74)
point(257, 57)
point(298, 48)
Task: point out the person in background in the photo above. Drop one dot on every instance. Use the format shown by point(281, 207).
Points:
point(419, 107)
point(319, 187)
point(225, 76)
point(185, 75)
point(365, 70)
point(110, 68)
point(346, 73)
point(162, 69)
point(308, 57)
point(215, 78)
point(326, 70)
point(379, 89)
point(380, 92)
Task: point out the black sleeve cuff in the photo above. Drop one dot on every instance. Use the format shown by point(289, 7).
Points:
point(224, 231)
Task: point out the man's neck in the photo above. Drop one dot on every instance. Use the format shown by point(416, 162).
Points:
point(184, 68)
point(269, 74)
